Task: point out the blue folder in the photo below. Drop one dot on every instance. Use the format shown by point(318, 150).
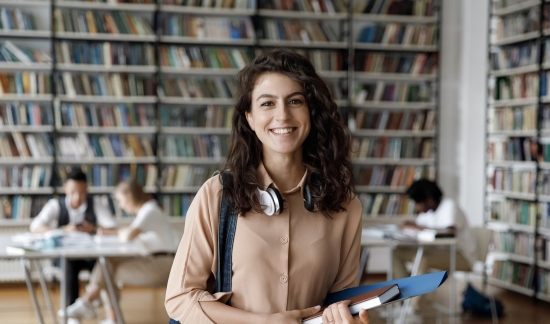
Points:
point(409, 287)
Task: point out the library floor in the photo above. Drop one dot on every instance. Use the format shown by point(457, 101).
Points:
point(145, 306)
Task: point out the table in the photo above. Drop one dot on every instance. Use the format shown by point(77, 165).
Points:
point(99, 251)
point(369, 242)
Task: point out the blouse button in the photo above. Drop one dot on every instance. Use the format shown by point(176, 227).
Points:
point(284, 279)
point(284, 239)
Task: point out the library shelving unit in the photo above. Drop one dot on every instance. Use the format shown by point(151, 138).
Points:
point(517, 155)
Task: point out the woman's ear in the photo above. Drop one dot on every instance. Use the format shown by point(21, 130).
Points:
point(250, 120)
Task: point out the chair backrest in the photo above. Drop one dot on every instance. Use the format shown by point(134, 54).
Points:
point(483, 239)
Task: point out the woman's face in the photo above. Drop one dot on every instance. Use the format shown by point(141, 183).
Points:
point(279, 115)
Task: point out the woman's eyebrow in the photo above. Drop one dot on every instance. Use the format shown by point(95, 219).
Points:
point(267, 95)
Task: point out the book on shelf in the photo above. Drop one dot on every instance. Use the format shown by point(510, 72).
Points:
point(104, 53)
point(515, 273)
point(109, 175)
point(399, 120)
point(386, 204)
point(390, 176)
point(324, 60)
point(399, 34)
point(197, 87)
point(391, 92)
point(519, 86)
point(13, 114)
point(403, 63)
point(512, 149)
point(514, 118)
point(513, 211)
point(518, 23)
point(104, 84)
point(394, 148)
point(176, 204)
point(30, 83)
point(515, 243)
point(218, 4)
point(122, 115)
point(207, 27)
point(305, 31)
point(94, 145)
point(18, 176)
point(316, 6)
point(184, 57)
point(204, 145)
point(21, 207)
point(419, 8)
point(98, 22)
point(15, 19)
point(210, 116)
point(514, 56)
point(17, 144)
point(12, 53)
point(184, 175)
point(513, 180)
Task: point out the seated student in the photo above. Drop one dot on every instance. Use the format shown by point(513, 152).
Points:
point(151, 229)
point(435, 212)
point(76, 212)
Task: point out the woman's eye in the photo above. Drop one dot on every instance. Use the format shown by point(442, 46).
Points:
point(295, 101)
point(267, 103)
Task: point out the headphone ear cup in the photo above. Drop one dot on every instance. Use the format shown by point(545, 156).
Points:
point(267, 202)
point(308, 202)
point(277, 198)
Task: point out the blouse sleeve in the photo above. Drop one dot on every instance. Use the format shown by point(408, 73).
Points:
point(195, 260)
point(351, 248)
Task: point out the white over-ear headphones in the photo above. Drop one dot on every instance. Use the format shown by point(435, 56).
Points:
point(273, 204)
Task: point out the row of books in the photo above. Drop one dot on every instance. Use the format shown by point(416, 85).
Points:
point(31, 83)
point(21, 207)
point(214, 146)
point(407, 63)
point(517, 86)
point(512, 180)
point(109, 175)
point(104, 53)
point(515, 56)
point(544, 182)
point(104, 84)
point(98, 22)
point(545, 122)
point(211, 116)
point(206, 57)
point(15, 19)
point(519, 23)
point(122, 115)
point(514, 273)
point(192, 87)
point(514, 118)
point(324, 60)
point(512, 149)
point(396, 33)
point(391, 91)
point(235, 4)
point(400, 120)
point(543, 281)
point(207, 27)
point(545, 84)
point(18, 176)
point(93, 145)
point(176, 205)
point(395, 7)
point(299, 30)
point(16, 144)
point(181, 176)
point(514, 242)
point(388, 176)
point(394, 148)
point(513, 211)
point(10, 52)
point(317, 6)
point(545, 154)
point(386, 204)
point(19, 114)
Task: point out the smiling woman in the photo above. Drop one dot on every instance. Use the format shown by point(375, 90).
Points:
point(287, 138)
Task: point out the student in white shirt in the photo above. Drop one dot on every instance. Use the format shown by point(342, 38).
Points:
point(77, 211)
point(435, 212)
point(150, 229)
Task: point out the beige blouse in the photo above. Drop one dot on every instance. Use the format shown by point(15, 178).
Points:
point(283, 262)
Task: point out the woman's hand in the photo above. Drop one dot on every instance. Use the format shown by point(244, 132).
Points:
point(294, 316)
point(338, 313)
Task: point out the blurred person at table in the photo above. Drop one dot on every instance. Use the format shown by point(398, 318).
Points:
point(150, 230)
point(76, 212)
point(443, 215)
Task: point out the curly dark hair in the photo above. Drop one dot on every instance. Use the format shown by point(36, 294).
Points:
point(325, 150)
point(423, 189)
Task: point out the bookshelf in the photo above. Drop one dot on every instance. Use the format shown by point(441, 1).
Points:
point(516, 204)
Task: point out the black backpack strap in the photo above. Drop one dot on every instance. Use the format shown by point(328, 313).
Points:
point(226, 236)
point(64, 218)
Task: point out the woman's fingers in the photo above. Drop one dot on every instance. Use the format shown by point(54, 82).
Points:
point(364, 317)
point(328, 318)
